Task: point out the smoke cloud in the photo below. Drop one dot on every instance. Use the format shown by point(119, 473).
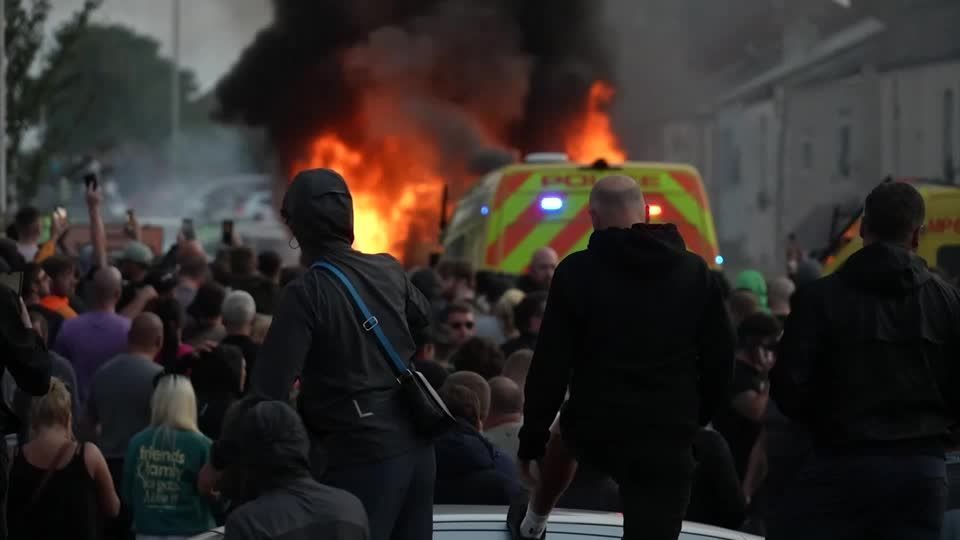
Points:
point(479, 78)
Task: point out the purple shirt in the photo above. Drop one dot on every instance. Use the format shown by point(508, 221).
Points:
point(89, 341)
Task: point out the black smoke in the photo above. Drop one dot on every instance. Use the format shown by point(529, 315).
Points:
point(480, 77)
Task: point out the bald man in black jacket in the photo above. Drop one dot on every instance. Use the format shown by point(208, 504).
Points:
point(636, 329)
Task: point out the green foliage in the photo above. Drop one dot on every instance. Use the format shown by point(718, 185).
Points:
point(119, 92)
point(30, 74)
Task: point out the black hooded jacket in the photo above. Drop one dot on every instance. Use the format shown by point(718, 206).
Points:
point(637, 327)
point(869, 355)
point(348, 394)
point(263, 450)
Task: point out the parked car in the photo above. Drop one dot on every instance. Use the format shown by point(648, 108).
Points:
point(489, 523)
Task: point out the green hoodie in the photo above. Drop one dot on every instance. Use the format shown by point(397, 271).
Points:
point(753, 281)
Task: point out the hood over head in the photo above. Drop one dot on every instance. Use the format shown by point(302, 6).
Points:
point(753, 281)
point(318, 208)
point(640, 247)
point(885, 268)
point(267, 433)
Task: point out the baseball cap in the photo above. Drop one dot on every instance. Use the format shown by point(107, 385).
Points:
point(137, 252)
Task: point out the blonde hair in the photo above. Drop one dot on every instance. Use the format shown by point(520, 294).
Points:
point(503, 310)
point(174, 404)
point(53, 409)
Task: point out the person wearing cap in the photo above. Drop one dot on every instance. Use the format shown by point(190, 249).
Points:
point(134, 264)
point(364, 439)
point(263, 452)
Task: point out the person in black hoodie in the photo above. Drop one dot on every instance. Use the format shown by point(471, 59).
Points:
point(363, 434)
point(263, 453)
point(868, 363)
point(636, 327)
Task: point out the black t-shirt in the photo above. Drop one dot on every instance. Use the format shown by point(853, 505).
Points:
point(740, 432)
point(129, 292)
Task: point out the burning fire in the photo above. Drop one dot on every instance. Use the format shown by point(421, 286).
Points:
point(393, 187)
point(397, 191)
point(594, 138)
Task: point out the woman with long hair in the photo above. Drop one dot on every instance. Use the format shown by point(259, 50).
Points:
point(59, 487)
point(163, 464)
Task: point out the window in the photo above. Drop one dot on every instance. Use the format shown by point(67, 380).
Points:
point(729, 157)
point(806, 155)
point(949, 112)
point(843, 156)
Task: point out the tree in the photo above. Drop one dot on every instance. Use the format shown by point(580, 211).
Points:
point(30, 76)
point(119, 93)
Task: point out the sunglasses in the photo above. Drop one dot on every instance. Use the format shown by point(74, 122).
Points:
point(459, 325)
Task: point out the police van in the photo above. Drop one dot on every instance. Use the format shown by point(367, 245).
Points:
point(520, 208)
point(939, 243)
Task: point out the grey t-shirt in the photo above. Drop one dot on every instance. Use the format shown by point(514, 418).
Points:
point(120, 401)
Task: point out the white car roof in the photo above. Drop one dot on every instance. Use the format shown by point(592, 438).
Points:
point(495, 514)
point(453, 514)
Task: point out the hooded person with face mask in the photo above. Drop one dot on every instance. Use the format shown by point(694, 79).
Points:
point(264, 455)
point(362, 431)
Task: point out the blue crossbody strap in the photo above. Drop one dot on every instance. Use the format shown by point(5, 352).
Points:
point(370, 322)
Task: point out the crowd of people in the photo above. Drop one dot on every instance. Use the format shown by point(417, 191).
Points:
point(149, 395)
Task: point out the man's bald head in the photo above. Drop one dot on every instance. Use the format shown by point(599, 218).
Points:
point(146, 334)
point(107, 284)
point(616, 202)
point(542, 265)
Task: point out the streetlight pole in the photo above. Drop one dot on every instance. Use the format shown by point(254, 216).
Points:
point(175, 88)
point(3, 111)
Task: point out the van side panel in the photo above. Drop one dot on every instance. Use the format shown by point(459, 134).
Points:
point(519, 225)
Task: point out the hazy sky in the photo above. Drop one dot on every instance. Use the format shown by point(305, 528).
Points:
point(213, 32)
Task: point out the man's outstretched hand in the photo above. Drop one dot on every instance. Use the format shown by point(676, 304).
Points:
point(94, 196)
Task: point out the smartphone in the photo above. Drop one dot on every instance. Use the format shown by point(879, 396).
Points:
point(227, 232)
point(14, 280)
point(187, 229)
point(90, 179)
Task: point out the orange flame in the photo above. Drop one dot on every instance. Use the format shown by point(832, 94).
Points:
point(392, 185)
point(594, 138)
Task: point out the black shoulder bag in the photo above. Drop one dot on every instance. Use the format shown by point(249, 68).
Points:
point(430, 414)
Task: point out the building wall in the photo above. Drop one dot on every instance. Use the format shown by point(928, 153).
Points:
point(832, 155)
point(742, 178)
point(921, 118)
point(841, 139)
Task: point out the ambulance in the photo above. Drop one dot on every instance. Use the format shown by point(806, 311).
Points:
point(543, 201)
point(940, 242)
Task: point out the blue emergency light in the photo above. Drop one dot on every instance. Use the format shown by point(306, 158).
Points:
point(551, 203)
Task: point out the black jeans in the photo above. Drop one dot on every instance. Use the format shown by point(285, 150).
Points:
point(397, 493)
point(654, 490)
point(854, 497)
